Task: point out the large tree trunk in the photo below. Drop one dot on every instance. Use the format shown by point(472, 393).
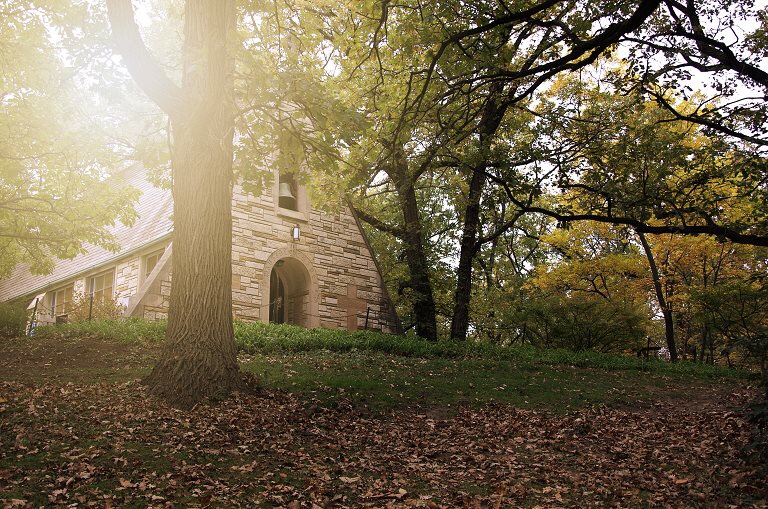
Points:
point(199, 358)
point(418, 267)
point(666, 308)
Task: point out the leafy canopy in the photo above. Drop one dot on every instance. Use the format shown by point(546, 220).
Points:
point(58, 157)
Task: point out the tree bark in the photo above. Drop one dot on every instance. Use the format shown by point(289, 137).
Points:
point(490, 121)
point(666, 308)
point(468, 249)
point(424, 311)
point(199, 359)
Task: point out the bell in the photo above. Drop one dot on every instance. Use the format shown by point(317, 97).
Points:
point(285, 191)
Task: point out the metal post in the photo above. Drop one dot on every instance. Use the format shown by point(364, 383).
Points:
point(90, 309)
point(32, 320)
point(367, 313)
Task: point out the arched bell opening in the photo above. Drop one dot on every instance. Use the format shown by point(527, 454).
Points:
point(289, 293)
point(288, 192)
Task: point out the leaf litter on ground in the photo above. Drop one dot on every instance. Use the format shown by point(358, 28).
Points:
point(111, 445)
point(77, 430)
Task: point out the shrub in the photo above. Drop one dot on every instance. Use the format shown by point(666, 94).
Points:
point(582, 323)
point(101, 309)
point(13, 319)
point(739, 312)
point(124, 329)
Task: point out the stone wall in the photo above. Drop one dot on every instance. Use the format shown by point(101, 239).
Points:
point(156, 305)
point(344, 283)
point(127, 279)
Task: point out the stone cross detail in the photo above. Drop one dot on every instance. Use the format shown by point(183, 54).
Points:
point(353, 306)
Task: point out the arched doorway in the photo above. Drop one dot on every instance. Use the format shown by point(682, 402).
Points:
point(289, 293)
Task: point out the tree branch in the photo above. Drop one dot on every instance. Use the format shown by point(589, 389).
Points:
point(711, 228)
point(378, 224)
point(142, 67)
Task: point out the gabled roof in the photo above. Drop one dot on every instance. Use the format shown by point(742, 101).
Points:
point(154, 209)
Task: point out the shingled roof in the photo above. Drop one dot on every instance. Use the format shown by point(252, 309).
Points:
point(153, 223)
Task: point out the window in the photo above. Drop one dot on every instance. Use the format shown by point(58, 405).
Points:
point(150, 261)
point(100, 287)
point(61, 300)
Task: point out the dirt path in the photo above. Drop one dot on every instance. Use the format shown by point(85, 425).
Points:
point(34, 360)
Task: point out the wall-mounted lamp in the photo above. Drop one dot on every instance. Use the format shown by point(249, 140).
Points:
point(296, 233)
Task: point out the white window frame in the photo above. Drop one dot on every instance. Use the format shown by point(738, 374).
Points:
point(67, 305)
point(92, 283)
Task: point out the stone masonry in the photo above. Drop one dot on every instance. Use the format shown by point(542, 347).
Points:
point(343, 284)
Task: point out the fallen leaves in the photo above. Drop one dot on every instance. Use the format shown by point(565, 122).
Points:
point(113, 446)
point(126, 484)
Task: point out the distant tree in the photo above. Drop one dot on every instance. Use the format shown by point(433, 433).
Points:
point(613, 263)
point(593, 259)
point(690, 266)
point(580, 322)
point(588, 292)
point(739, 311)
point(510, 248)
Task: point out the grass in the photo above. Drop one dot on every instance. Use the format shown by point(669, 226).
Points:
point(376, 380)
point(381, 372)
point(129, 330)
point(380, 382)
point(257, 337)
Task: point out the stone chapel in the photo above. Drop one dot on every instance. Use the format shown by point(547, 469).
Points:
point(291, 263)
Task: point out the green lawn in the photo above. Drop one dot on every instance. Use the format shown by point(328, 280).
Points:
point(383, 381)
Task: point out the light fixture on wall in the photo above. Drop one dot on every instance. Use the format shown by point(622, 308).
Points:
point(296, 232)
